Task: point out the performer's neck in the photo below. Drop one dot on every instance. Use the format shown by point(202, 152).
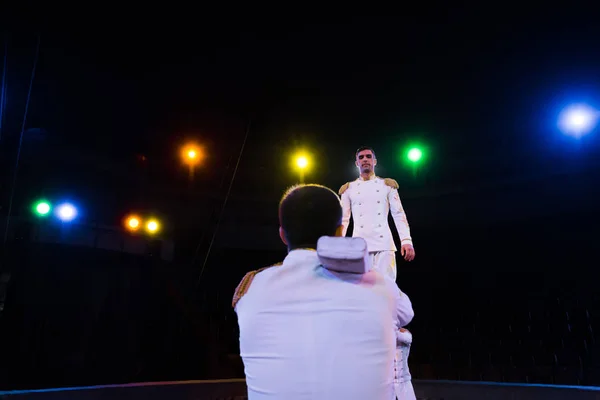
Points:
point(311, 247)
point(367, 176)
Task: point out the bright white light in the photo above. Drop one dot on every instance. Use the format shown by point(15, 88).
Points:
point(66, 212)
point(577, 120)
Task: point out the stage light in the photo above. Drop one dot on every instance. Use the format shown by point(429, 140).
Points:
point(414, 154)
point(302, 162)
point(133, 223)
point(152, 226)
point(66, 212)
point(191, 154)
point(42, 208)
point(577, 120)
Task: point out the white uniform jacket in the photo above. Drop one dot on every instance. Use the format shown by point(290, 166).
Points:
point(310, 333)
point(370, 202)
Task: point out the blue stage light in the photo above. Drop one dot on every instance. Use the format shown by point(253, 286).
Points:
point(577, 120)
point(66, 212)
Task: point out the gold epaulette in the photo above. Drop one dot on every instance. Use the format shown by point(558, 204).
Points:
point(391, 183)
point(344, 187)
point(244, 285)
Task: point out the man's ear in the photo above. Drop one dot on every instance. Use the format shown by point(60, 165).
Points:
point(374, 162)
point(356, 163)
point(339, 230)
point(282, 236)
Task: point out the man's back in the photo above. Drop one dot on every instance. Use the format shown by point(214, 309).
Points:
point(309, 333)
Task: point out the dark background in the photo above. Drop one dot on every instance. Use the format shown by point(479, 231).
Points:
point(504, 210)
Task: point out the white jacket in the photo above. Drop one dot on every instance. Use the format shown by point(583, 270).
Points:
point(370, 202)
point(310, 333)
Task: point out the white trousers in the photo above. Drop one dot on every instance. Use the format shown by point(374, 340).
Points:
point(405, 391)
point(384, 262)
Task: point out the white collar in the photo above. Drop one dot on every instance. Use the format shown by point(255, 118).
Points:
point(371, 178)
point(301, 253)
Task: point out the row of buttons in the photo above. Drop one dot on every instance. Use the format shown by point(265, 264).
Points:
point(378, 201)
point(377, 191)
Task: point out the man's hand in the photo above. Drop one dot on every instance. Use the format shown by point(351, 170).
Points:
point(408, 252)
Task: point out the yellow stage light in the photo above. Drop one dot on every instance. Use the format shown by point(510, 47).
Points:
point(152, 226)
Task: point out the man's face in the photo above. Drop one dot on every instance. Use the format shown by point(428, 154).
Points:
point(366, 161)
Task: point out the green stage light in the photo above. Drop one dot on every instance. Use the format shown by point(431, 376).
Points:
point(42, 208)
point(414, 154)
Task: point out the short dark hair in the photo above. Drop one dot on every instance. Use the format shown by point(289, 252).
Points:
point(307, 212)
point(363, 148)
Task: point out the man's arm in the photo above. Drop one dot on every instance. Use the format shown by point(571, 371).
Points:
point(346, 208)
point(399, 216)
point(403, 312)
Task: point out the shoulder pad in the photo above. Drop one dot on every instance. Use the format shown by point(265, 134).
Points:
point(344, 187)
point(391, 183)
point(244, 285)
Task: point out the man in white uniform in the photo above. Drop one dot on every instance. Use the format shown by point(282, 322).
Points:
point(310, 333)
point(369, 199)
